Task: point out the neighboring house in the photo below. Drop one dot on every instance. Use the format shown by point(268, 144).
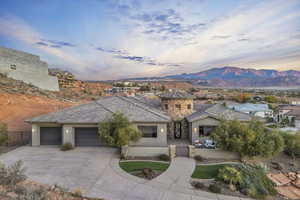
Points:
point(162, 121)
point(207, 118)
point(294, 101)
point(288, 113)
point(258, 110)
point(294, 116)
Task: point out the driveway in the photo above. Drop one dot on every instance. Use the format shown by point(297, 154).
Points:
point(96, 171)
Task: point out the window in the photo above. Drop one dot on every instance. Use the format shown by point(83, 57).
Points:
point(148, 131)
point(189, 106)
point(166, 106)
point(178, 106)
point(13, 67)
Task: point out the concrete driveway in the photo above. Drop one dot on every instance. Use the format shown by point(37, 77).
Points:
point(96, 171)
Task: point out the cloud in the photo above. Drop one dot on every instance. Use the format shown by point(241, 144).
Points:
point(55, 43)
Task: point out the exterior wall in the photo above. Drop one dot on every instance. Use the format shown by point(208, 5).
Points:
point(203, 122)
point(35, 132)
point(216, 154)
point(176, 113)
point(297, 123)
point(138, 151)
point(159, 141)
point(28, 68)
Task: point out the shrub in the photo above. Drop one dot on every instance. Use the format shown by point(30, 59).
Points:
point(77, 193)
point(215, 188)
point(250, 140)
point(66, 147)
point(229, 175)
point(33, 193)
point(292, 144)
point(13, 174)
point(198, 158)
point(198, 185)
point(3, 133)
point(164, 157)
point(254, 182)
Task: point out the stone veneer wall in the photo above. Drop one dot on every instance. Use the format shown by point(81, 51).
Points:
point(176, 113)
point(27, 68)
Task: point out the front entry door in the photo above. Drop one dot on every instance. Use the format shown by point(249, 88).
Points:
point(177, 130)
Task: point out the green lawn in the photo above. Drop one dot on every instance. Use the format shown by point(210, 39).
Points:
point(207, 171)
point(132, 166)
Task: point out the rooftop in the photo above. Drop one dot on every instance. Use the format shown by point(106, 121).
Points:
point(176, 95)
point(100, 110)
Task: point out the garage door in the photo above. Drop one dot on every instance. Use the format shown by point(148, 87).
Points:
point(51, 135)
point(87, 137)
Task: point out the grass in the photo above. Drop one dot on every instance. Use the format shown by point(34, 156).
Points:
point(207, 171)
point(133, 166)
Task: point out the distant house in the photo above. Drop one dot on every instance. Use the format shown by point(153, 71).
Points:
point(289, 114)
point(294, 101)
point(258, 110)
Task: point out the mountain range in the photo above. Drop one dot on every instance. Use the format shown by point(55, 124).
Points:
point(237, 77)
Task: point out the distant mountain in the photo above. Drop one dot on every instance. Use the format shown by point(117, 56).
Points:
point(238, 77)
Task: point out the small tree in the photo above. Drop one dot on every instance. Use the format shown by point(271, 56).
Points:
point(118, 131)
point(250, 140)
point(3, 133)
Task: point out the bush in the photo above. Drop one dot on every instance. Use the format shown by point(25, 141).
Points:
point(77, 193)
point(254, 182)
point(198, 185)
point(164, 157)
point(198, 158)
point(251, 140)
point(292, 144)
point(66, 147)
point(12, 175)
point(3, 133)
point(215, 188)
point(230, 175)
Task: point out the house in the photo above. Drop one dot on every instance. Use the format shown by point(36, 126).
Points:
point(258, 110)
point(173, 117)
point(79, 125)
point(289, 114)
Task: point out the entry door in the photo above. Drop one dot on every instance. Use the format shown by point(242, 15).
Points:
point(177, 130)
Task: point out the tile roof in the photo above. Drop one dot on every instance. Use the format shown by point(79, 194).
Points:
point(250, 107)
point(219, 111)
point(176, 95)
point(97, 111)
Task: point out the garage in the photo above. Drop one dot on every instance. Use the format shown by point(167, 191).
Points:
point(50, 135)
point(87, 137)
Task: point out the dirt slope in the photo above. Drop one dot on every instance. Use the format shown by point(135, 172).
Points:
point(15, 108)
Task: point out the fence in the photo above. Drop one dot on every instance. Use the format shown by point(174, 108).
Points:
point(18, 138)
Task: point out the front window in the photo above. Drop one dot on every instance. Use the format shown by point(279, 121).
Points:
point(13, 67)
point(166, 106)
point(148, 131)
point(178, 106)
point(189, 106)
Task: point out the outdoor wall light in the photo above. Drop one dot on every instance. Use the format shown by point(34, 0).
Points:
point(162, 130)
point(33, 130)
point(195, 130)
point(67, 131)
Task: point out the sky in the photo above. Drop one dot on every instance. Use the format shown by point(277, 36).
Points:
point(114, 39)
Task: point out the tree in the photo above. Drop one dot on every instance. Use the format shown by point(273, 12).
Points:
point(242, 98)
point(271, 99)
point(250, 140)
point(292, 144)
point(118, 131)
point(3, 133)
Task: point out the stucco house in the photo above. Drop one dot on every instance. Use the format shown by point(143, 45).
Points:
point(258, 110)
point(170, 118)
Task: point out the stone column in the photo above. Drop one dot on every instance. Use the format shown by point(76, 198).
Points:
point(35, 135)
point(191, 151)
point(172, 151)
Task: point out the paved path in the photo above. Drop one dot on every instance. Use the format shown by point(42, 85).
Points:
point(97, 172)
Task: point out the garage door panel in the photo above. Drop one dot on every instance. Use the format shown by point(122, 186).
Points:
point(87, 137)
point(50, 135)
